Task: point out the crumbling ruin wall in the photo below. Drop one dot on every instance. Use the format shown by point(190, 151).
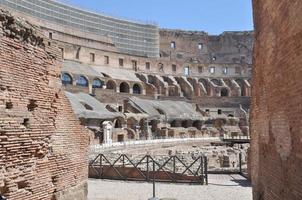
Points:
point(43, 148)
point(276, 104)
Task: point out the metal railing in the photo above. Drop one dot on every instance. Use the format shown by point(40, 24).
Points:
point(170, 169)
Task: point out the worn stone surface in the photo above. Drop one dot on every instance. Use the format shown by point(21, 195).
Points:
point(276, 104)
point(42, 145)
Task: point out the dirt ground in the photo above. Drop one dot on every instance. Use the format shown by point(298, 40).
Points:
point(221, 187)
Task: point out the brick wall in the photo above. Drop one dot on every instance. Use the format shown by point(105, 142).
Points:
point(276, 124)
point(42, 145)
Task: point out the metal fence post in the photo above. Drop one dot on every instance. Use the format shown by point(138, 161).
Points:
point(202, 168)
point(153, 179)
point(174, 168)
point(206, 169)
point(240, 163)
point(148, 175)
point(101, 166)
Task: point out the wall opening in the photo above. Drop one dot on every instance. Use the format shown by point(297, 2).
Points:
point(136, 89)
point(187, 71)
point(8, 105)
point(66, 79)
point(82, 81)
point(224, 92)
point(118, 123)
point(32, 105)
point(124, 87)
point(97, 83)
point(25, 122)
point(111, 85)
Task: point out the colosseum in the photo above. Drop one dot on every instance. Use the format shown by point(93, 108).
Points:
point(146, 82)
point(71, 79)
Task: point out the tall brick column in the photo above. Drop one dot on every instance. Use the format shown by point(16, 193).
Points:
point(276, 118)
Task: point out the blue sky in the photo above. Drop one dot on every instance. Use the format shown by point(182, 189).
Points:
point(212, 16)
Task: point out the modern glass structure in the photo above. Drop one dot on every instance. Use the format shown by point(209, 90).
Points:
point(129, 37)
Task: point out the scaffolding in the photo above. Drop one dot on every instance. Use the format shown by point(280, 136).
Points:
point(129, 37)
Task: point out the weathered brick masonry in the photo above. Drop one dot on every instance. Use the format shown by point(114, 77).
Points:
point(42, 145)
point(276, 121)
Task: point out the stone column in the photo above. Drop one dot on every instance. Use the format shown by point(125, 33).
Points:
point(107, 128)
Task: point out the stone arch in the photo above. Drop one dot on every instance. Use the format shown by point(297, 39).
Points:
point(82, 81)
point(132, 123)
point(197, 124)
point(130, 134)
point(97, 83)
point(66, 79)
point(118, 123)
point(173, 90)
point(206, 85)
point(217, 82)
point(241, 84)
point(137, 89)
point(153, 123)
point(111, 85)
point(176, 123)
point(124, 87)
point(186, 123)
point(224, 92)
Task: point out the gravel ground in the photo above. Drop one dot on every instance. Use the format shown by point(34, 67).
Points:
point(221, 187)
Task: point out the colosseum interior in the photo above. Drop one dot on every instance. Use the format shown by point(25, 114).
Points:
point(70, 79)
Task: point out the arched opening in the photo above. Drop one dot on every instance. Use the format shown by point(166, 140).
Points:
point(176, 123)
point(206, 85)
point(224, 92)
point(111, 85)
point(186, 124)
point(97, 83)
point(136, 89)
point(124, 87)
point(153, 124)
point(132, 123)
point(173, 91)
point(82, 81)
point(144, 129)
point(66, 79)
point(242, 87)
point(197, 124)
point(217, 82)
point(118, 123)
point(171, 134)
point(130, 135)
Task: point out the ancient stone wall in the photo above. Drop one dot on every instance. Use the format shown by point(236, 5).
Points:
point(227, 48)
point(276, 104)
point(43, 148)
